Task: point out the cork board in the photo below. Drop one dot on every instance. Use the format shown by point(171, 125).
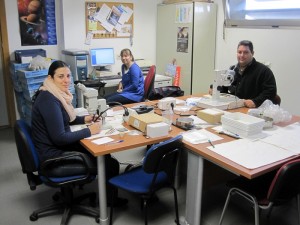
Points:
point(109, 19)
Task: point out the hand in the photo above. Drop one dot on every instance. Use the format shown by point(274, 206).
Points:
point(95, 128)
point(249, 103)
point(89, 118)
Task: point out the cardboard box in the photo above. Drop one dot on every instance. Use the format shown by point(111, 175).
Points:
point(210, 115)
point(141, 121)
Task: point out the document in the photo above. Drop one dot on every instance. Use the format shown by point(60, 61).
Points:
point(251, 154)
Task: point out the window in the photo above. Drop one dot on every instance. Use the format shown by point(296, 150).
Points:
point(254, 13)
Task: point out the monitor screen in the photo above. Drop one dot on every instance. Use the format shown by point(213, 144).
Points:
point(102, 56)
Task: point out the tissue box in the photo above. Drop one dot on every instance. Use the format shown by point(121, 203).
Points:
point(210, 115)
point(141, 121)
point(157, 130)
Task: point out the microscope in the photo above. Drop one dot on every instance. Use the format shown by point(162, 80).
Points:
point(222, 78)
point(222, 101)
point(91, 101)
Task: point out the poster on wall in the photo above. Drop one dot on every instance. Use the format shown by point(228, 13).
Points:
point(37, 22)
point(183, 39)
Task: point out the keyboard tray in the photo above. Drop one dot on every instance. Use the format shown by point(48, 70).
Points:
point(110, 77)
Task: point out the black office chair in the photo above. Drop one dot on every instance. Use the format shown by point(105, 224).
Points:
point(149, 82)
point(157, 172)
point(57, 173)
point(277, 100)
point(268, 191)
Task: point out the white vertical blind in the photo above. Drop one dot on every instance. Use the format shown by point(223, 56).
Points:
point(275, 13)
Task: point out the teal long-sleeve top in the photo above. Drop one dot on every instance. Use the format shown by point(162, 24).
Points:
point(133, 83)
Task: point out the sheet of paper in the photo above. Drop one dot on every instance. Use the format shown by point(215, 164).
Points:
point(77, 127)
point(103, 13)
point(251, 154)
point(285, 137)
point(101, 141)
point(115, 130)
point(202, 123)
point(126, 14)
point(199, 136)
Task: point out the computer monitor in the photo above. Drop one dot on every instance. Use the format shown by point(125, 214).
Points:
point(102, 57)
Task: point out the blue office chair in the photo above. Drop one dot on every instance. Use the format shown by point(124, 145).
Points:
point(57, 173)
point(269, 190)
point(157, 172)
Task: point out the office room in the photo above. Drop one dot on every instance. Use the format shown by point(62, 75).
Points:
point(276, 46)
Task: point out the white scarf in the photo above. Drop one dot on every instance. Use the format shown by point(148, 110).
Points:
point(64, 97)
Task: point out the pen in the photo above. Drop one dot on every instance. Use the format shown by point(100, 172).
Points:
point(93, 117)
point(97, 118)
point(115, 142)
point(230, 135)
point(209, 141)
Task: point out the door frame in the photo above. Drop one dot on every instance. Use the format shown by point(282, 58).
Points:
point(9, 89)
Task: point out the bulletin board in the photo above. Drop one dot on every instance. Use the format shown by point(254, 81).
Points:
point(109, 19)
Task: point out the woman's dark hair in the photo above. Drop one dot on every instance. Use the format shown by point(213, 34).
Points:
point(51, 71)
point(128, 52)
point(55, 65)
point(246, 43)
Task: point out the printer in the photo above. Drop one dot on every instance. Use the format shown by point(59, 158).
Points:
point(144, 65)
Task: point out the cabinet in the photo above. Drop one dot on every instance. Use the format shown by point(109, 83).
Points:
point(197, 60)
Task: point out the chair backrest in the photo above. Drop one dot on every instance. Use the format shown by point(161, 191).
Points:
point(149, 81)
point(277, 100)
point(26, 151)
point(286, 183)
point(163, 157)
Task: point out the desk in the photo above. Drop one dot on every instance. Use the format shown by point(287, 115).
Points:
point(100, 150)
point(196, 156)
point(112, 84)
point(160, 81)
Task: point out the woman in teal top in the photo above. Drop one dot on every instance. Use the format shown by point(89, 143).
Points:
point(131, 88)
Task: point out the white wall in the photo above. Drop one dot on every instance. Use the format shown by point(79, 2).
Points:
point(144, 36)
point(280, 47)
point(71, 30)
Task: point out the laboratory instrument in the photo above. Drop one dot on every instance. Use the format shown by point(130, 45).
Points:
point(90, 99)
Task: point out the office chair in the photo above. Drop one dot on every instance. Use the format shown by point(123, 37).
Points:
point(277, 100)
point(157, 172)
point(149, 82)
point(65, 178)
point(267, 191)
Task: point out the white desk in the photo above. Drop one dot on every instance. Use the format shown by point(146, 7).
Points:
point(160, 81)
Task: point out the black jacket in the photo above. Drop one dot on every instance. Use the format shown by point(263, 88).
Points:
point(257, 83)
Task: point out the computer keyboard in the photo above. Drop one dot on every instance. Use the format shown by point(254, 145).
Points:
point(91, 83)
point(110, 77)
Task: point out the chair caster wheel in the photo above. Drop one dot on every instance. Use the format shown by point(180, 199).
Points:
point(97, 220)
point(33, 217)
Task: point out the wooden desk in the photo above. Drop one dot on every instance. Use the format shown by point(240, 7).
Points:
point(130, 142)
point(196, 156)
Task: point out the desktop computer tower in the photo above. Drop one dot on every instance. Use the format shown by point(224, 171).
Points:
point(78, 62)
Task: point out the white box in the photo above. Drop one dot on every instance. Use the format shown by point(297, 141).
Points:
point(157, 130)
point(242, 124)
point(166, 103)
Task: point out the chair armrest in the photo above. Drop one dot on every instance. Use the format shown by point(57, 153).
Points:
point(58, 167)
